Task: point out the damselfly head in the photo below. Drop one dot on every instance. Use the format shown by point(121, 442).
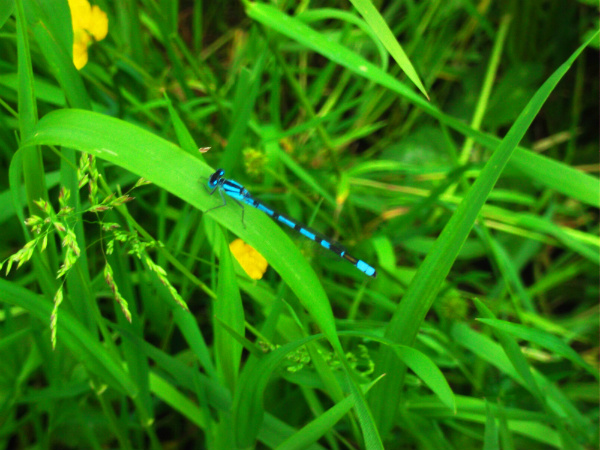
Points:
point(215, 177)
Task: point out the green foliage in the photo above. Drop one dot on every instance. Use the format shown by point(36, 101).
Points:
point(128, 323)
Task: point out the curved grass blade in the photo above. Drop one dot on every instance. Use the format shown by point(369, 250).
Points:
point(385, 35)
point(175, 170)
point(422, 291)
point(166, 165)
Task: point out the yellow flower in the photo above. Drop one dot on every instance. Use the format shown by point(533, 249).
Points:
point(253, 263)
point(88, 22)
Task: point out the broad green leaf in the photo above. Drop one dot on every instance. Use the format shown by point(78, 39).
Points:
point(182, 174)
point(169, 167)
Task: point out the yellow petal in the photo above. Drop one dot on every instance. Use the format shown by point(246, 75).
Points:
point(253, 263)
point(80, 49)
point(87, 21)
point(81, 13)
point(98, 23)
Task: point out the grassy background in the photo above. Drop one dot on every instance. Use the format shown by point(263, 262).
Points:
point(478, 208)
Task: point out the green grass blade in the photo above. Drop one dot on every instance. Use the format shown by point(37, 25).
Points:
point(325, 422)
point(431, 375)
point(33, 170)
point(45, 264)
point(573, 183)
point(490, 439)
point(419, 363)
point(300, 32)
point(56, 46)
point(184, 375)
point(371, 435)
point(6, 9)
point(56, 16)
point(248, 407)
point(178, 401)
point(506, 438)
point(514, 354)
point(245, 98)
point(558, 176)
point(82, 345)
point(329, 13)
point(229, 310)
point(304, 103)
point(543, 339)
point(385, 35)
point(495, 355)
point(302, 174)
point(185, 139)
point(191, 332)
point(421, 293)
point(572, 239)
point(316, 429)
point(28, 115)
